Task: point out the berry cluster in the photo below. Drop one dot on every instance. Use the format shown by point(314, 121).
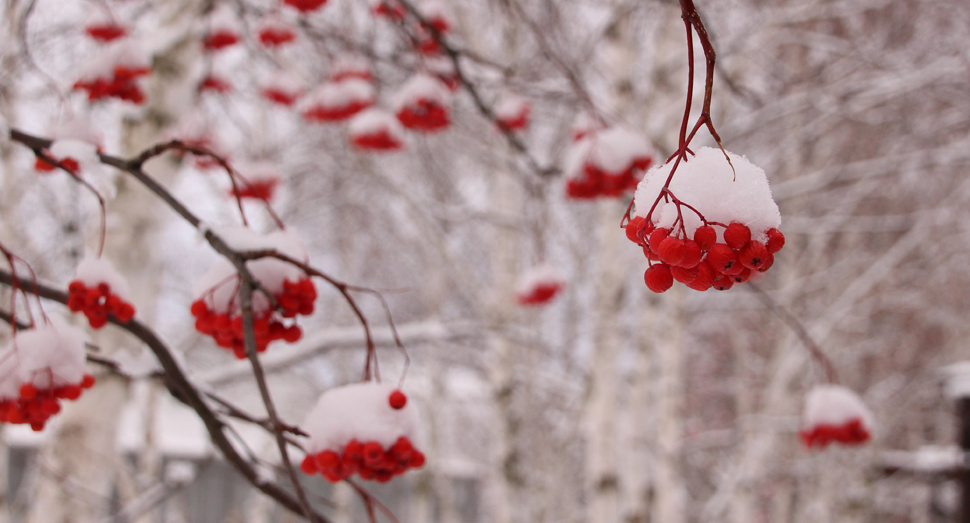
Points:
point(605, 163)
point(539, 285)
point(305, 5)
point(422, 104)
point(69, 163)
point(215, 84)
point(260, 189)
point(595, 182)
point(105, 31)
point(370, 460)
point(36, 405)
point(226, 327)
point(702, 262)
point(122, 84)
point(853, 432)
point(273, 33)
point(97, 302)
point(376, 130)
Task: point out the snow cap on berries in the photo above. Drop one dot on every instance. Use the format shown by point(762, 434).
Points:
point(338, 100)
point(350, 66)
point(421, 87)
point(51, 350)
point(94, 270)
point(707, 182)
point(218, 285)
point(376, 129)
point(103, 27)
point(360, 411)
point(282, 88)
point(224, 29)
point(830, 410)
point(10, 381)
point(513, 111)
point(539, 284)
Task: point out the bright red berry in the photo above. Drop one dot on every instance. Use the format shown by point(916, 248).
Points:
point(753, 254)
point(658, 235)
point(706, 237)
point(721, 257)
point(28, 391)
point(684, 275)
point(737, 235)
point(692, 254)
point(658, 278)
point(634, 229)
point(397, 400)
point(776, 240)
point(671, 250)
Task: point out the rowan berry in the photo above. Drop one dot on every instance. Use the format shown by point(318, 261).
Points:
point(736, 235)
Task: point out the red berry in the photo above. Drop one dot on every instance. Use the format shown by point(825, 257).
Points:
point(634, 229)
point(75, 287)
point(736, 235)
point(309, 465)
point(721, 257)
point(658, 235)
point(705, 236)
point(705, 277)
point(769, 261)
point(28, 391)
point(723, 283)
point(671, 250)
point(327, 460)
point(72, 392)
point(753, 254)
point(199, 308)
point(88, 381)
point(692, 254)
point(373, 453)
point(658, 278)
point(776, 240)
point(397, 400)
point(417, 459)
point(683, 275)
point(293, 334)
point(742, 276)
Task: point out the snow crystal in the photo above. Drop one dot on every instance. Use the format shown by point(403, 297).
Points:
point(834, 405)
point(374, 120)
point(707, 183)
point(93, 271)
point(421, 86)
point(542, 274)
point(219, 285)
point(359, 411)
point(51, 351)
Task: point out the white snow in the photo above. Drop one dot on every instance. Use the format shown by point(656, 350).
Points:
point(436, 12)
point(77, 128)
point(51, 352)
point(421, 86)
point(275, 24)
point(956, 383)
point(10, 381)
point(542, 274)
point(221, 279)
point(359, 411)
point(834, 405)
point(223, 20)
point(125, 53)
point(92, 271)
point(583, 124)
point(511, 107)
point(707, 183)
point(373, 121)
point(259, 171)
point(350, 66)
point(284, 82)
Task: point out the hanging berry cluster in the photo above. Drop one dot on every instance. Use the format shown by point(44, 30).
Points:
point(365, 429)
point(606, 163)
point(835, 414)
point(42, 366)
point(539, 285)
point(292, 293)
point(99, 290)
point(115, 72)
point(711, 226)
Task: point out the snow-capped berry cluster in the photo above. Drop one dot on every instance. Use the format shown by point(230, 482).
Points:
point(710, 228)
point(422, 104)
point(273, 32)
point(40, 367)
point(283, 89)
point(103, 28)
point(115, 73)
point(835, 414)
point(337, 101)
point(260, 181)
point(513, 112)
point(606, 163)
point(376, 130)
point(539, 285)
point(305, 6)
point(366, 429)
point(72, 129)
point(223, 29)
point(217, 309)
point(99, 290)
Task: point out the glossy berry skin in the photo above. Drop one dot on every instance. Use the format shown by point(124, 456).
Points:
point(706, 237)
point(753, 254)
point(397, 400)
point(658, 278)
point(721, 257)
point(737, 235)
point(776, 240)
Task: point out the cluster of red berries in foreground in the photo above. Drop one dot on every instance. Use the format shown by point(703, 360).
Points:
point(97, 303)
point(852, 432)
point(35, 406)
point(370, 460)
point(596, 182)
point(226, 327)
point(702, 262)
